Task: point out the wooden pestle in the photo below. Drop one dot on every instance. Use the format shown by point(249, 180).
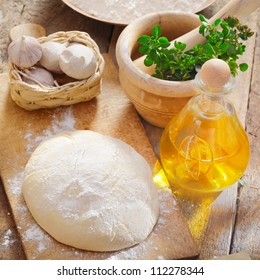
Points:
point(238, 8)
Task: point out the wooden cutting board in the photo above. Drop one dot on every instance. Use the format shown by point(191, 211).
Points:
point(110, 113)
point(120, 12)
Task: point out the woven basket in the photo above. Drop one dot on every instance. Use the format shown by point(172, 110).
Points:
point(31, 97)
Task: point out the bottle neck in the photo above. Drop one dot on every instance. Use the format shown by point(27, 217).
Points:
point(212, 101)
point(211, 104)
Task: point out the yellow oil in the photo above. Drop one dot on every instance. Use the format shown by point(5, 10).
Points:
point(202, 154)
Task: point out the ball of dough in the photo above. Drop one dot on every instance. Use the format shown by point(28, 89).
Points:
point(91, 191)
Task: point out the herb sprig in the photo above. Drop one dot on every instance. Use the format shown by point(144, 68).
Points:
point(223, 40)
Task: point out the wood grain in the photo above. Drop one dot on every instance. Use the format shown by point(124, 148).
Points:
point(247, 226)
point(110, 113)
point(10, 245)
point(53, 16)
point(216, 234)
point(120, 13)
point(212, 226)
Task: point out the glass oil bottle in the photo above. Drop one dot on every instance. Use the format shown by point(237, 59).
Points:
point(205, 149)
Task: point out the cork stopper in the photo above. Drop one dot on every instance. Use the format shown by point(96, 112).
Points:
point(215, 74)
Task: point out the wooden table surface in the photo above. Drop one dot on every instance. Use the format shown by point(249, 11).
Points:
point(231, 223)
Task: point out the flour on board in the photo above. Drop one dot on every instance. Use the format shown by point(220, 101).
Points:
point(65, 121)
point(15, 183)
point(36, 234)
point(8, 239)
point(137, 251)
point(42, 241)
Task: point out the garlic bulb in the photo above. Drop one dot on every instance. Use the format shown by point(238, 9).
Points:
point(40, 75)
point(50, 56)
point(25, 51)
point(78, 61)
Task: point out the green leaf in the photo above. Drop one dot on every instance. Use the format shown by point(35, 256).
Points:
point(231, 49)
point(243, 36)
point(176, 44)
point(224, 47)
point(241, 49)
point(231, 22)
point(153, 44)
point(177, 63)
point(157, 31)
point(179, 45)
point(182, 46)
point(243, 67)
point(144, 49)
point(225, 31)
point(144, 39)
point(148, 61)
point(202, 18)
point(164, 42)
point(233, 67)
point(153, 54)
point(209, 49)
point(217, 22)
point(202, 30)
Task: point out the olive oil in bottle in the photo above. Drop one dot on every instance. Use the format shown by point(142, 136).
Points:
point(205, 149)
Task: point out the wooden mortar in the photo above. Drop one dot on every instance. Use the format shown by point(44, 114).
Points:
point(157, 101)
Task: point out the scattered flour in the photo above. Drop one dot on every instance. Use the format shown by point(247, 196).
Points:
point(21, 208)
point(139, 251)
point(15, 183)
point(36, 234)
point(124, 12)
point(43, 241)
point(160, 258)
point(8, 239)
point(60, 122)
point(64, 121)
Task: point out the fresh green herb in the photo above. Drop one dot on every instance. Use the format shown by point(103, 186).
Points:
point(223, 40)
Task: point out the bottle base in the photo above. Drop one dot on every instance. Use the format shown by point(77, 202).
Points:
point(194, 196)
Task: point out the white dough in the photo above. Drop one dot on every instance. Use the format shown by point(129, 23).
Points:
point(91, 191)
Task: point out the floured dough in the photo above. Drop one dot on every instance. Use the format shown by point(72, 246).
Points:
point(91, 191)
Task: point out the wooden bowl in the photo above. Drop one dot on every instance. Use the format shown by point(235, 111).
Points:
point(156, 100)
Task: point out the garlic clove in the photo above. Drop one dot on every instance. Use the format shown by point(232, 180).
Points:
point(29, 29)
point(39, 75)
point(78, 61)
point(25, 51)
point(50, 56)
